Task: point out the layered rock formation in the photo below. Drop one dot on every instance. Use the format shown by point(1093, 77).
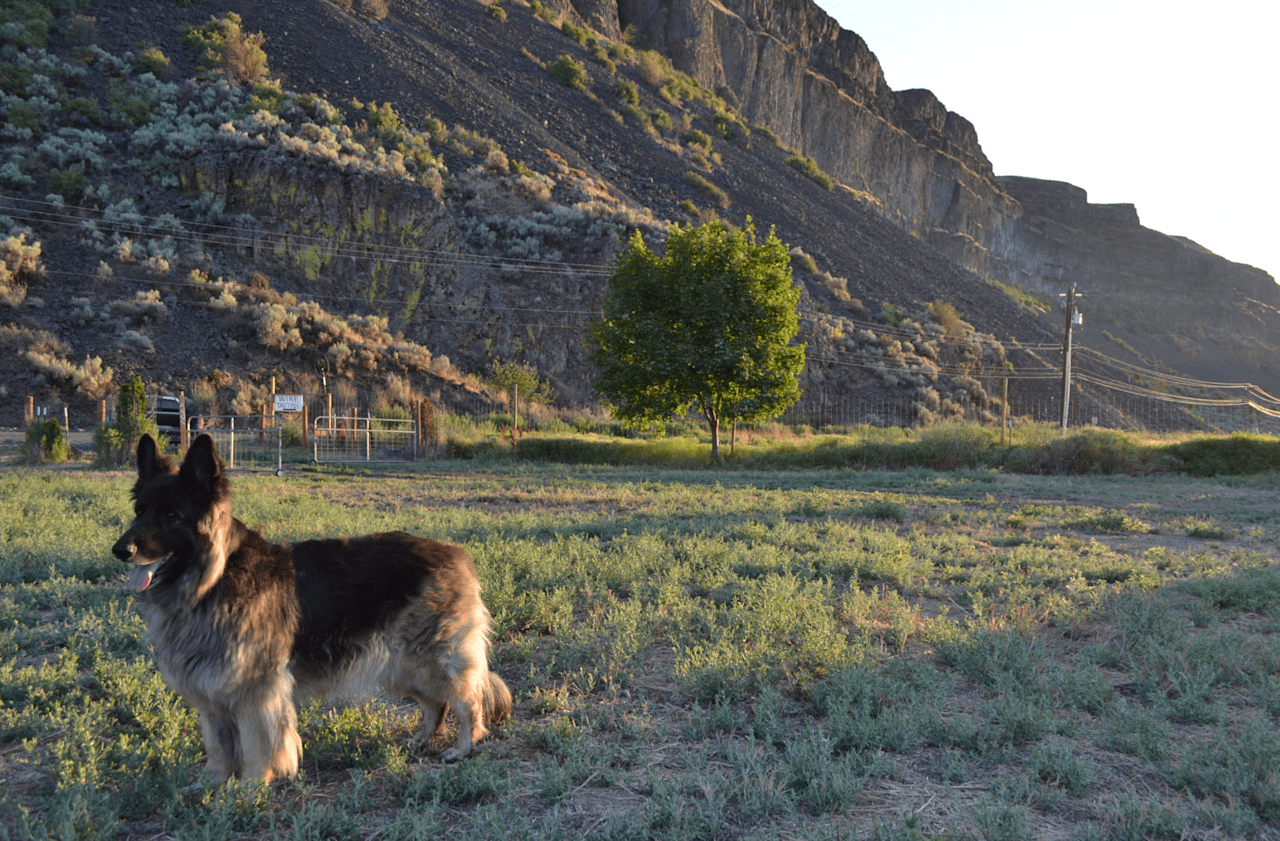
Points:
point(789, 66)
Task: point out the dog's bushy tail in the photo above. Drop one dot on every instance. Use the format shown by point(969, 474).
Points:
point(497, 700)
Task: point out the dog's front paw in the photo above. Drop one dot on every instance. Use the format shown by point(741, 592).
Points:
point(454, 754)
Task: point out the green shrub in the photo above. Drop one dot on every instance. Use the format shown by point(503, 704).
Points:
point(1056, 762)
point(1241, 454)
point(892, 316)
point(805, 262)
point(267, 96)
point(694, 137)
point(884, 509)
point(127, 107)
point(809, 168)
point(15, 79)
point(86, 106)
point(954, 446)
point(578, 33)
point(569, 73)
point(768, 134)
point(25, 115)
point(70, 183)
point(291, 433)
point(661, 120)
point(152, 60)
point(601, 55)
point(81, 30)
point(708, 189)
point(220, 44)
point(26, 25)
point(46, 443)
point(498, 13)
point(627, 91)
point(730, 128)
point(652, 66)
point(504, 376)
point(948, 318)
point(1094, 451)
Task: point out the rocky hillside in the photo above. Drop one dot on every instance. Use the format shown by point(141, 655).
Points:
point(395, 195)
point(790, 66)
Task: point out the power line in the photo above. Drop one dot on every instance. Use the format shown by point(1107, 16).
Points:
point(179, 284)
point(239, 237)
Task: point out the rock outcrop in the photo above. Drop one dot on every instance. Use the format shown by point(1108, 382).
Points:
point(1141, 281)
point(789, 66)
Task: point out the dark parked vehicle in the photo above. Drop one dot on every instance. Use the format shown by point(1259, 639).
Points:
point(169, 417)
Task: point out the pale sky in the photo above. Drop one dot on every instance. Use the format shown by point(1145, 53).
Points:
point(1171, 107)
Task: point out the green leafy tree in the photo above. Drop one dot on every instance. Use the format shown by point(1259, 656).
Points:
point(115, 442)
point(708, 324)
point(505, 376)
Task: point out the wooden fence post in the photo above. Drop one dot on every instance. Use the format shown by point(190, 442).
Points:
point(1004, 410)
point(427, 424)
point(182, 422)
point(422, 412)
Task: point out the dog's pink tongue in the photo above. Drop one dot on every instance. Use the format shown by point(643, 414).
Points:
point(140, 577)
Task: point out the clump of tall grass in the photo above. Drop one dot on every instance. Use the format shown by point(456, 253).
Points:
point(1034, 450)
point(1241, 454)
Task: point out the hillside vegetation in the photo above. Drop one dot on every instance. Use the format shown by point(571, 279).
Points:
point(177, 208)
point(384, 200)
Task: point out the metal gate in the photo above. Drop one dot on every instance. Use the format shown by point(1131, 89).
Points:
point(245, 442)
point(351, 438)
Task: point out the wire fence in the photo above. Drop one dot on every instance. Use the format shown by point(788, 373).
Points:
point(328, 433)
point(1096, 408)
point(245, 442)
point(351, 438)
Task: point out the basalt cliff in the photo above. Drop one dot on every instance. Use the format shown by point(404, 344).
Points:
point(790, 66)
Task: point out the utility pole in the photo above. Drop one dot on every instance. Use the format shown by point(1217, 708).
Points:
point(1073, 318)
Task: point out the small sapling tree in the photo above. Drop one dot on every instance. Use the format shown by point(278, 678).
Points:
point(115, 442)
point(708, 324)
point(505, 376)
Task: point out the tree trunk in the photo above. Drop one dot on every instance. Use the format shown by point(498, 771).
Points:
point(713, 420)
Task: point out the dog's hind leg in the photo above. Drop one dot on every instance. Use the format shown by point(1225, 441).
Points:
point(269, 740)
point(432, 720)
point(435, 693)
point(470, 713)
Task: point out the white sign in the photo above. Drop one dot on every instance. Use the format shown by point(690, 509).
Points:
point(288, 402)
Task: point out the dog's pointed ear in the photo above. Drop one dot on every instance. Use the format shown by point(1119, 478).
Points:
point(150, 461)
point(202, 470)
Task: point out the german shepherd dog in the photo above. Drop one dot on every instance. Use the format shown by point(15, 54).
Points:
point(244, 629)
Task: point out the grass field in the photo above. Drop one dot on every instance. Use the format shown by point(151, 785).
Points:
point(706, 653)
